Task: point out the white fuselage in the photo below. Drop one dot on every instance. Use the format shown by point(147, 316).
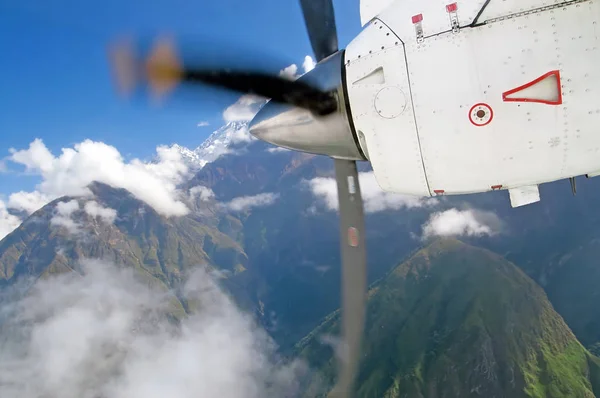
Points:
point(454, 112)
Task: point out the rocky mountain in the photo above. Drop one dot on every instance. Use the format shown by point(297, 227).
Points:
point(459, 321)
point(293, 244)
point(113, 225)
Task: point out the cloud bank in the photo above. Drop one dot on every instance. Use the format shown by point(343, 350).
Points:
point(308, 64)
point(375, 199)
point(97, 211)
point(8, 222)
point(454, 222)
point(244, 109)
point(248, 105)
point(277, 149)
point(105, 334)
point(28, 201)
point(247, 202)
point(291, 71)
point(63, 216)
point(204, 193)
point(75, 168)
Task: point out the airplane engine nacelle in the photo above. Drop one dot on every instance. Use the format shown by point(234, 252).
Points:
point(382, 111)
point(477, 96)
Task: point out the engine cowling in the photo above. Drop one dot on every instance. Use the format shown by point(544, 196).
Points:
point(380, 100)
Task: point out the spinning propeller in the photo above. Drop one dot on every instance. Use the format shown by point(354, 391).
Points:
point(309, 114)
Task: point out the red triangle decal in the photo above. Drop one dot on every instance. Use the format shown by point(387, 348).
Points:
point(546, 89)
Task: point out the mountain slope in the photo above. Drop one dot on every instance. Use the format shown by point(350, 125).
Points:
point(555, 242)
point(458, 321)
point(578, 267)
point(163, 248)
point(294, 253)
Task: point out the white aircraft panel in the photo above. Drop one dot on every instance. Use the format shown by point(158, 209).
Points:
point(581, 85)
point(436, 19)
point(502, 8)
point(369, 9)
point(524, 143)
point(382, 112)
point(523, 196)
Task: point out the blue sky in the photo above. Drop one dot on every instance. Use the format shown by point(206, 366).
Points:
point(56, 84)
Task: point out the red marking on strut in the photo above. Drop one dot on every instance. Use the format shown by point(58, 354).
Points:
point(417, 18)
point(353, 237)
point(495, 187)
point(558, 101)
point(452, 7)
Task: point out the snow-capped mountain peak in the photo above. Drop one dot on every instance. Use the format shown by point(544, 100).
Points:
point(191, 158)
point(219, 143)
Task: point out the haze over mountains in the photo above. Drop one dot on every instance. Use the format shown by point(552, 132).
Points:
point(510, 312)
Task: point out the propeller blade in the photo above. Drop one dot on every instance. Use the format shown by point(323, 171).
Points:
point(319, 18)
point(276, 88)
point(124, 67)
point(354, 274)
point(163, 71)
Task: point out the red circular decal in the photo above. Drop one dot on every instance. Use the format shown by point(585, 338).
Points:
point(481, 114)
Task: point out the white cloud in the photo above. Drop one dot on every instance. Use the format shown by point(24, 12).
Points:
point(454, 222)
point(67, 208)
point(308, 64)
point(277, 150)
point(239, 135)
point(244, 109)
point(201, 192)
point(62, 216)
point(248, 105)
point(29, 202)
point(246, 202)
point(8, 222)
point(37, 157)
point(374, 198)
point(325, 189)
point(378, 200)
point(203, 123)
point(107, 215)
point(105, 334)
point(75, 168)
point(290, 72)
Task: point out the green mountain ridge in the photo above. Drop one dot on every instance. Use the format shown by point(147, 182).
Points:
point(578, 267)
point(460, 321)
point(139, 237)
point(163, 249)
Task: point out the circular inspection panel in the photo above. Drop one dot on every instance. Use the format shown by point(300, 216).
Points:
point(481, 114)
point(390, 102)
